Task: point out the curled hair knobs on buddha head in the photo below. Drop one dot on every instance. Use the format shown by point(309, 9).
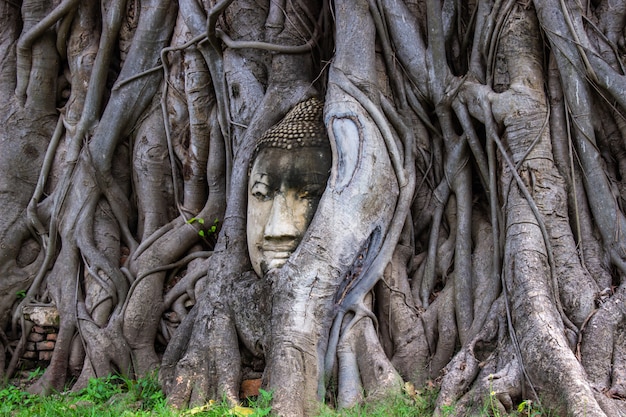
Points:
point(302, 127)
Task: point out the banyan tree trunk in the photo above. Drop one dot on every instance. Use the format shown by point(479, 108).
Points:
point(470, 234)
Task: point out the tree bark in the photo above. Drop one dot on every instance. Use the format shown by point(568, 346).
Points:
point(469, 235)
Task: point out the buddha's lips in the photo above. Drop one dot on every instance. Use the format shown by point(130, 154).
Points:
point(279, 249)
point(276, 258)
point(277, 254)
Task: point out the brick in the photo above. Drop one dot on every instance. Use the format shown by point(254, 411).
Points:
point(36, 337)
point(51, 336)
point(46, 345)
point(45, 356)
point(38, 329)
point(250, 388)
point(29, 355)
point(30, 346)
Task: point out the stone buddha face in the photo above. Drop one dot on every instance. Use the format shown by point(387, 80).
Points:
point(286, 182)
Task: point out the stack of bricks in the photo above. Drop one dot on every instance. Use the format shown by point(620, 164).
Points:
point(41, 340)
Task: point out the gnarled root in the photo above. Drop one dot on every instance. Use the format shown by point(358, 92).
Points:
point(209, 365)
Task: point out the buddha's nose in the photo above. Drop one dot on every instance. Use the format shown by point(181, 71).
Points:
point(281, 223)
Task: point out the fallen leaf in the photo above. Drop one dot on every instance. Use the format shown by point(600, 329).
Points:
point(240, 411)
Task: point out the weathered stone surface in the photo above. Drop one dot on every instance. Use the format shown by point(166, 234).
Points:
point(45, 355)
point(30, 355)
point(36, 337)
point(38, 329)
point(47, 345)
point(42, 315)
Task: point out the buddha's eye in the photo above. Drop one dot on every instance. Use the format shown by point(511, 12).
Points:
point(260, 191)
point(311, 191)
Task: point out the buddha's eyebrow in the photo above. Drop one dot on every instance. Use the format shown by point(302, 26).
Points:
point(307, 181)
point(314, 177)
point(261, 178)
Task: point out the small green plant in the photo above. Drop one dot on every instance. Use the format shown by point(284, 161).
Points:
point(424, 399)
point(527, 408)
point(35, 373)
point(262, 404)
point(495, 411)
point(99, 390)
point(204, 232)
point(447, 410)
point(148, 391)
point(12, 397)
point(21, 294)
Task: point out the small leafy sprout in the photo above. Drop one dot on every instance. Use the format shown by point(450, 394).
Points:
point(529, 409)
point(195, 220)
point(21, 294)
point(524, 405)
point(204, 232)
point(35, 373)
point(213, 227)
point(261, 405)
point(200, 221)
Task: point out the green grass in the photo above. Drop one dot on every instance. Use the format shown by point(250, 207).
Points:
point(416, 404)
point(117, 396)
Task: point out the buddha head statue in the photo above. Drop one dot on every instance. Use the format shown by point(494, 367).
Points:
point(289, 170)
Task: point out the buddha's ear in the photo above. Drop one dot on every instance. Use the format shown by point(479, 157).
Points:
point(345, 153)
